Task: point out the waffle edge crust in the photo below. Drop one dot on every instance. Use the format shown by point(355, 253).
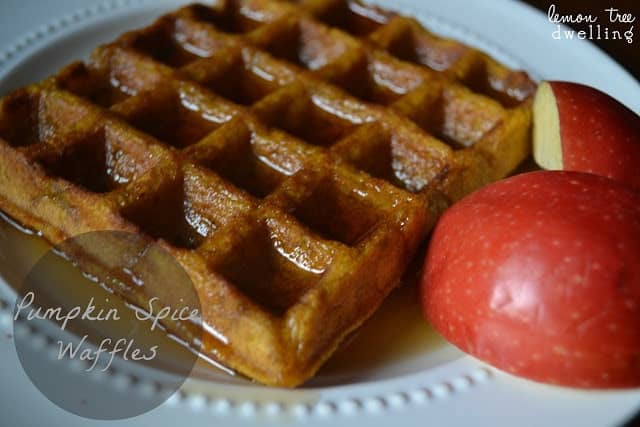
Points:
point(291, 156)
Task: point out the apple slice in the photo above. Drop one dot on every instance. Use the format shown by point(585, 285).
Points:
point(579, 128)
point(539, 275)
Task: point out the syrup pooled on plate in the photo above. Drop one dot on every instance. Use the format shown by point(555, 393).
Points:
point(30, 266)
point(395, 332)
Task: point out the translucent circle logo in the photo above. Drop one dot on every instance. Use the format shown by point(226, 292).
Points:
point(107, 325)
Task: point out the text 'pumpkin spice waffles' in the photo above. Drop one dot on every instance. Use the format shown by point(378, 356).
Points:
point(292, 156)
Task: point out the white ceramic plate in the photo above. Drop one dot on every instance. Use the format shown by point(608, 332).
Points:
point(438, 386)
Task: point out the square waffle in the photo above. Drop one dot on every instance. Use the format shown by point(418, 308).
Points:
point(290, 147)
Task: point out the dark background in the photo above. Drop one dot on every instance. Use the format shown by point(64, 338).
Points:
point(627, 54)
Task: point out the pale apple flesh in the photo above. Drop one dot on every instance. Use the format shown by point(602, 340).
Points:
point(547, 144)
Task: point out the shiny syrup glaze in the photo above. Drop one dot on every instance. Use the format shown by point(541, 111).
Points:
point(397, 331)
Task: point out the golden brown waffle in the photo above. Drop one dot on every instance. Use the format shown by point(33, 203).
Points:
point(291, 156)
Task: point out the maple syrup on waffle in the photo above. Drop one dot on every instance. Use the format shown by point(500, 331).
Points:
point(396, 331)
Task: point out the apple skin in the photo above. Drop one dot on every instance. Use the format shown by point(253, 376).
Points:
point(597, 134)
point(539, 275)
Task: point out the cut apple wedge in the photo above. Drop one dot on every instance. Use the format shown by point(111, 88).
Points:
point(538, 275)
point(579, 128)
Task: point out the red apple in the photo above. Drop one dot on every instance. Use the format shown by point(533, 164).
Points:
point(579, 128)
point(539, 275)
